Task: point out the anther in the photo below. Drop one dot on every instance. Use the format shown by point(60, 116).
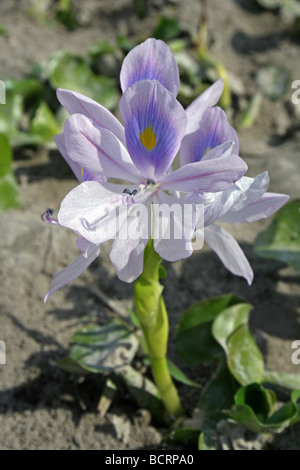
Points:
point(127, 191)
point(47, 217)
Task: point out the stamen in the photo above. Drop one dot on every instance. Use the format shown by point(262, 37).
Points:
point(127, 198)
point(47, 217)
point(127, 191)
point(150, 182)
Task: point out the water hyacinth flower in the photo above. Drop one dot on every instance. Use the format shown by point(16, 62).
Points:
point(245, 202)
point(156, 128)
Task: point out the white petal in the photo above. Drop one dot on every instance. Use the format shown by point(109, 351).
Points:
point(127, 254)
point(174, 226)
point(71, 272)
point(229, 251)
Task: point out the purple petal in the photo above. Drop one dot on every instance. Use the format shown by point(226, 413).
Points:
point(260, 209)
point(200, 105)
point(207, 176)
point(81, 173)
point(154, 124)
point(213, 131)
point(75, 167)
point(98, 150)
point(229, 251)
point(71, 272)
point(75, 103)
point(151, 60)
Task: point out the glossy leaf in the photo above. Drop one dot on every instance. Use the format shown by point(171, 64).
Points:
point(194, 341)
point(281, 240)
point(228, 321)
point(253, 408)
point(99, 349)
point(282, 380)
point(72, 72)
point(245, 361)
point(218, 395)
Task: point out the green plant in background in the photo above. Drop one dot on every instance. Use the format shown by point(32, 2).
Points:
point(213, 332)
point(272, 83)
point(241, 388)
point(289, 10)
point(281, 241)
point(9, 192)
point(59, 10)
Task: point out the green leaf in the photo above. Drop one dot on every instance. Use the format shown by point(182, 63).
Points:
point(281, 240)
point(231, 330)
point(228, 321)
point(245, 361)
point(254, 407)
point(44, 124)
point(30, 89)
point(217, 396)
point(71, 366)
point(100, 349)
point(73, 73)
point(261, 400)
point(184, 437)
point(11, 113)
point(282, 379)
point(167, 28)
point(177, 374)
point(9, 191)
point(207, 440)
point(5, 156)
point(143, 391)
point(194, 341)
point(273, 81)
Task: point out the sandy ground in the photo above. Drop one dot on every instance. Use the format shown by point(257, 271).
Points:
point(40, 406)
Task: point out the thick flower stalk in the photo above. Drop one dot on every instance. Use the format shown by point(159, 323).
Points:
point(137, 211)
point(152, 313)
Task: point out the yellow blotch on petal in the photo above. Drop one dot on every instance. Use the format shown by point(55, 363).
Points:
point(148, 138)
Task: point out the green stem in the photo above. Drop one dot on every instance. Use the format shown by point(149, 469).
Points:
point(151, 311)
